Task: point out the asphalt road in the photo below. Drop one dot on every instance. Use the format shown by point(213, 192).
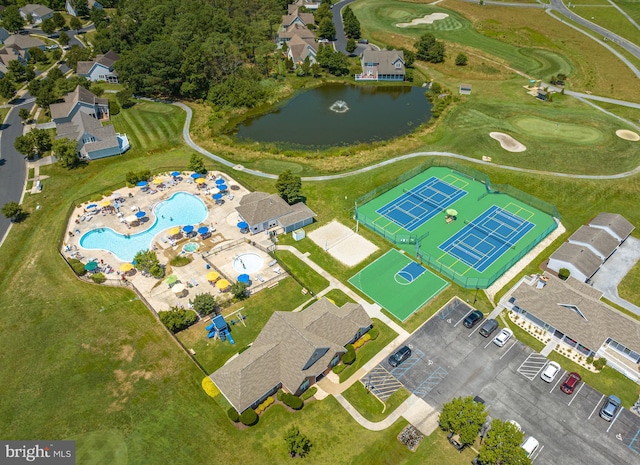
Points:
point(13, 167)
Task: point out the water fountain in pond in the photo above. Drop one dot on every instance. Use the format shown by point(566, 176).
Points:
point(339, 106)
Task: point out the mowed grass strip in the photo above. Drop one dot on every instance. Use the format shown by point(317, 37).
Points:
point(309, 278)
point(369, 406)
point(628, 287)
point(611, 19)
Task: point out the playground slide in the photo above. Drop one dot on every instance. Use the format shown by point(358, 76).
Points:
point(210, 327)
point(211, 334)
point(228, 334)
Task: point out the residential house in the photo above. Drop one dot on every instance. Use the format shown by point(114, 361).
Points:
point(70, 6)
point(94, 140)
point(293, 351)
point(310, 5)
point(382, 65)
point(295, 23)
point(8, 53)
point(4, 35)
point(101, 68)
point(296, 16)
point(590, 246)
point(296, 30)
point(300, 49)
point(262, 211)
point(38, 13)
point(80, 100)
point(572, 312)
point(25, 42)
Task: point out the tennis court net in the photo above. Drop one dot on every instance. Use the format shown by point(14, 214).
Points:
point(422, 198)
point(488, 233)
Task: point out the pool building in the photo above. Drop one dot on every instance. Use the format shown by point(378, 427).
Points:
point(262, 211)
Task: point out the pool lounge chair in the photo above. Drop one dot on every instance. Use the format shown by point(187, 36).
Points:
point(277, 270)
point(193, 282)
point(260, 278)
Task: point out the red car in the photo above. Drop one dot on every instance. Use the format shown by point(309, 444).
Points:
point(570, 383)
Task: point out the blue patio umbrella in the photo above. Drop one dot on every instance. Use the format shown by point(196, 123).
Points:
point(188, 228)
point(93, 205)
point(141, 214)
point(219, 181)
point(222, 187)
point(175, 173)
point(243, 278)
point(196, 175)
point(203, 230)
point(91, 266)
point(242, 225)
point(141, 183)
point(217, 196)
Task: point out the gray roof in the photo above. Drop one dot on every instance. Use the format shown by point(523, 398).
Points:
point(258, 207)
point(107, 60)
point(9, 53)
point(306, 18)
point(4, 34)
point(81, 124)
point(34, 9)
point(579, 256)
point(291, 347)
point(299, 48)
point(601, 320)
point(297, 30)
point(615, 222)
point(599, 239)
point(385, 60)
point(80, 94)
point(299, 212)
point(24, 42)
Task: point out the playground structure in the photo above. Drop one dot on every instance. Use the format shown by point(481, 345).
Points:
point(219, 329)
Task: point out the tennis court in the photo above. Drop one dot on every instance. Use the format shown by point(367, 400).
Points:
point(398, 284)
point(485, 239)
point(421, 203)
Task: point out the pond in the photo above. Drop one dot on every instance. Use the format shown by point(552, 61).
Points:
point(340, 115)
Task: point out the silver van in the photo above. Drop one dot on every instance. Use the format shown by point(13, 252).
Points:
point(488, 327)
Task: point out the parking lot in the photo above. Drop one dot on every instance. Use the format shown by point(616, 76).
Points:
point(449, 360)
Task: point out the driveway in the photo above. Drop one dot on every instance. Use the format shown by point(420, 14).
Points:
point(449, 360)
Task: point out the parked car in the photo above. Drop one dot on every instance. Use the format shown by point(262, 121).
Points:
point(515, 424)
point(400, 356)
point(503, 337)
point(610, 408)
point(454, 440)
point(363, 41)
point(571, 383)
point(55, 35)
point(488, 327)
point(550, 372)
point(473, 318)
point(478, 400)
point(530, 445)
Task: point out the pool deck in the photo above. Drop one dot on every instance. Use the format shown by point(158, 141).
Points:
point(223, 217)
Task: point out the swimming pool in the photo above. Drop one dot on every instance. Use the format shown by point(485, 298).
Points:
point(179, 210)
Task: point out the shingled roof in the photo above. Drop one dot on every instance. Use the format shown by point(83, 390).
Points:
point(601, 241)
point(107, 60)
point(384, 60)
point(579, 256)
point(291, 347)
point(80, 94)
point(552, 303)
point(104, 136)
point(614, 222)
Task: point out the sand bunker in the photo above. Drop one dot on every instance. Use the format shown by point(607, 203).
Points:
point(507, 142)
point(627, 135)
point(427, 19)
point(342, 243)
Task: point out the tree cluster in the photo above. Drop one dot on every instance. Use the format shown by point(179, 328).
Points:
point(33, 143)
point(333, 61)
point(134, 177)
point(177, 319)
point(463, 417)
point(430, 49)
point(66, 151)
point(502, 445)
point(196, 164)
point(297, 443)
point(288, 186)
point(351, 23)
point(147, 262)
point(14, 212)
point(558, 80)
point(205, 304)
point(51, 89)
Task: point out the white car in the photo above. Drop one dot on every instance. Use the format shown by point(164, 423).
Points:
point(503, 336)
point(515, 424)
point(530, 446)
point(550, 372)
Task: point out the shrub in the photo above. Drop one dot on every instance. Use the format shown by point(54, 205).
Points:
point(590, 360)
point(177, 319)
point(264, 405)
point(249, 417)
point(233, 415)
point(180, 260)
point(599, 363)
point(77, 266)
point(114, 108)
point(374, 333)
point(362, 341)
point(210, 388)
point(98, 278)
point(350, 356)
point(309, 393)
point(339, 369)
point(295, 402)
point(564, 274)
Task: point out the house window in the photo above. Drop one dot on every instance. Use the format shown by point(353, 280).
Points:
point(304, 386)
point(398, 65)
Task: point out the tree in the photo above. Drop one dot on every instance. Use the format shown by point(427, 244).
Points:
point(35, 142)
point(564, 274)
point(48, 26)
point(351, 45)
point(58, 20)
point(430, 49)
point(82, 8)
point(75, 24)
point(196, 164)
point(146, 261)
point(437, 53)
point(351, 23)
point(11, 19)
point(205, 304)
point(463, 417)
point(288, 186)
point(326, 29)
point(502, 445)
point(461, 59)
point(37, 55)
point(409, 57)
point(297, 443)
point(56, 54)
point(177, 319)
point(239, 290)
point(24, 114)
point(64, 38)
point(124, 97)
point(66, 151)
point(13, 212)
point(7, 87)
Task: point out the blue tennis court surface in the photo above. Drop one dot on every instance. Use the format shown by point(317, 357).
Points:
point(418, 205)
point(486, 238)
point(412, 271)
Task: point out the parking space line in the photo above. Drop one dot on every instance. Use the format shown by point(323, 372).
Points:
point(538, 454)
point(478, 326)
point(507, 351)
point(594, 408)
point(575, 395)
point(614, 420)
point(463, 317)
point(532, 366)
point(557, 382)
point(490, 342)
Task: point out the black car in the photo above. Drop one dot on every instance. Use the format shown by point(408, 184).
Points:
point(473, 318)
point(400, 356)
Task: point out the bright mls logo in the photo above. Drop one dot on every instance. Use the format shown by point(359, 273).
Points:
point(38, 452)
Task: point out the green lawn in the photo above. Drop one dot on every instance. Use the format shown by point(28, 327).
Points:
point(628, 287)
point(212, 354)
point(309, 278)
point(631, 7)
point(524, 337)
point(611, 19)
point(370, 349)
point(372, 408)
point(339, 297)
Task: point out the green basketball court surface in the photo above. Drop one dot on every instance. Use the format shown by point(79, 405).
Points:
point(398, 284)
